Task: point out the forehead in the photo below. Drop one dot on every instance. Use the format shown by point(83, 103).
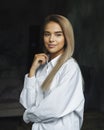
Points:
point(52, 26)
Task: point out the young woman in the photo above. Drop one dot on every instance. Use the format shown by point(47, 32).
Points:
point(53, 89)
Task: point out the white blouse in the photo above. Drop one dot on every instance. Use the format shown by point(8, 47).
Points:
point(61, 107)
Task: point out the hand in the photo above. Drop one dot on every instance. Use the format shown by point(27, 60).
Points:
point(38, 60)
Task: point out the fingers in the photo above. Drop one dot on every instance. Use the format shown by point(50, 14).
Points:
point(41, 58)
point(38, 60)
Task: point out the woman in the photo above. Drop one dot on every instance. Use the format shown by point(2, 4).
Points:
point(53, 90)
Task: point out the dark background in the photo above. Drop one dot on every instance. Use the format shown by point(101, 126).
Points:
point(20, 22)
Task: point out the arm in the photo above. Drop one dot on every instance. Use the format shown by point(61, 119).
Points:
point(62, 100)
point(28, 94)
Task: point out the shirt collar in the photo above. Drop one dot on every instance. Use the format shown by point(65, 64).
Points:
point(54, 61)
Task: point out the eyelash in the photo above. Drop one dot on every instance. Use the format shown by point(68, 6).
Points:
point(58, 34)
point(46, 34)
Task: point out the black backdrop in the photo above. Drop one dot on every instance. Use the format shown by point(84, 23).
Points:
point(19, 28)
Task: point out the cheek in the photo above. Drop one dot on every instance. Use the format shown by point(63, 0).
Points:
point(45, 44)
point(62, 43)
point(45, 40)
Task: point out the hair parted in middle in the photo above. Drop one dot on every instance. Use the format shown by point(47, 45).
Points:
point(68, 33)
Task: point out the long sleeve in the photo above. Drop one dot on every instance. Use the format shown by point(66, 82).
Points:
point(28, 92)
point(64, 99)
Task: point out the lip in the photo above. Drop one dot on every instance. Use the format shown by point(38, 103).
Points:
point(51, 45)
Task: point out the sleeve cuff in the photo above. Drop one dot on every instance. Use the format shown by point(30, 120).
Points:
point(29, 82)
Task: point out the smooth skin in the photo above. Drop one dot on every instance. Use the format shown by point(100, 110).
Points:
point(54, 42)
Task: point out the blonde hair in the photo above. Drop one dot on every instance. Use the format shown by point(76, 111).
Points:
point(69, 45)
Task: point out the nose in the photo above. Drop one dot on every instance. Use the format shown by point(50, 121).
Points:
point(52, 38)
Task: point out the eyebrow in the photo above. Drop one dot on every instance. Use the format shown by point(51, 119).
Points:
point(55, 32)
point(58, 32)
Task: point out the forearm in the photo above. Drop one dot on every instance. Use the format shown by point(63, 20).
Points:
point(28, 92)
point(31, 72)
point(52, 108)
point(38, 60)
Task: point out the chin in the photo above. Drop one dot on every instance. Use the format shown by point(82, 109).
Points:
point(52, 52)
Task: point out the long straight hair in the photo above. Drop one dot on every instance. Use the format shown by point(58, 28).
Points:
point(69, 45)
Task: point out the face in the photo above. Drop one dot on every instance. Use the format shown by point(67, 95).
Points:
point(54, 39)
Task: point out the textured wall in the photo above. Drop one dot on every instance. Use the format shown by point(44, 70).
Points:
point(87, 18)
point(17, 18)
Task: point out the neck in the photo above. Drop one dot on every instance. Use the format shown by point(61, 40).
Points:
point(53, 56)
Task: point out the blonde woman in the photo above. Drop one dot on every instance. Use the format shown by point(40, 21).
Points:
point(53, 89)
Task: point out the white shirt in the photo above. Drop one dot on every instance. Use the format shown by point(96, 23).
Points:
point(60, 108)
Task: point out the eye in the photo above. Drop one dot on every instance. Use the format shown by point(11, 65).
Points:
point(59, 34)
point(46, 34)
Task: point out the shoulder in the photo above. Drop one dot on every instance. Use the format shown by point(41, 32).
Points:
point(71, 66)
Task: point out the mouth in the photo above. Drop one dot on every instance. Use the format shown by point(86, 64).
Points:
point(51, 45)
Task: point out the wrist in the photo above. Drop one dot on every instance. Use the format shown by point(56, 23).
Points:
point(31, 73)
